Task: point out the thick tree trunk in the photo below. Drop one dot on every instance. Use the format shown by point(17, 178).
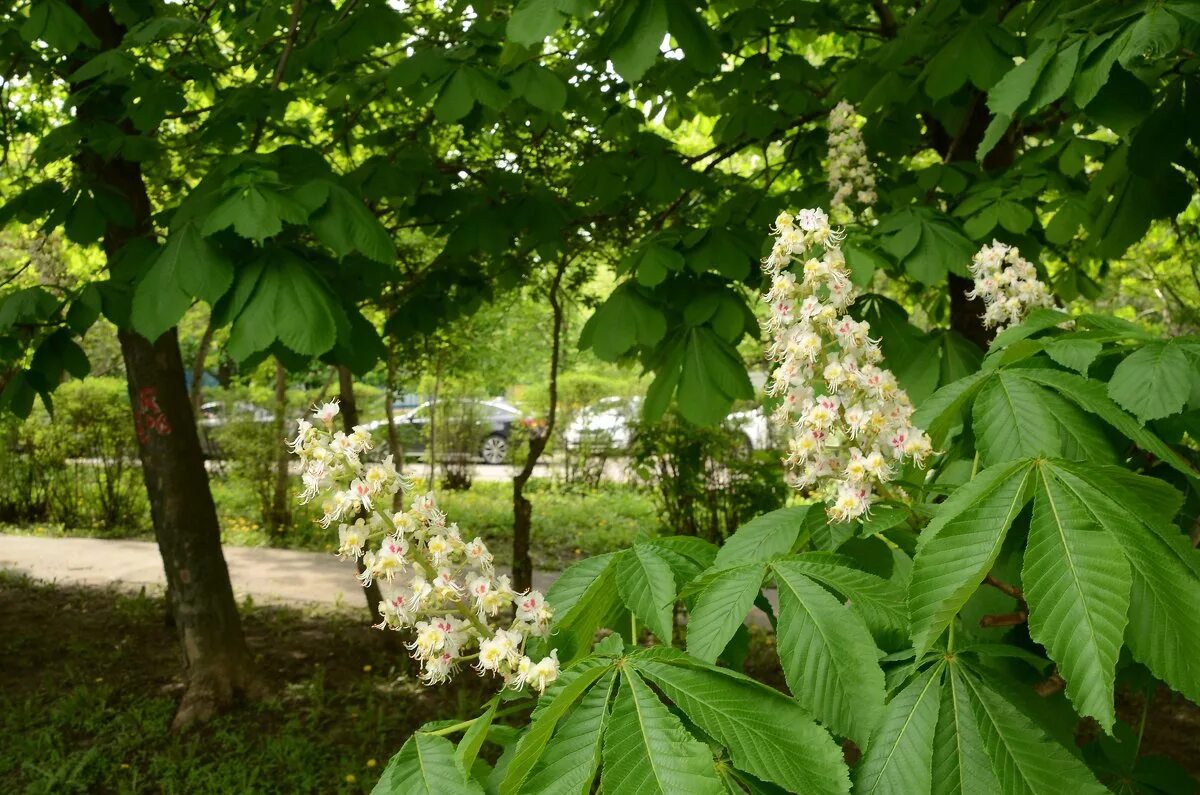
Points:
point(218, 663)
point(280, 514)
point(349, 420)
point(522, 563)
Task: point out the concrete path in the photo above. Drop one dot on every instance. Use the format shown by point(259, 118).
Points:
point(272, 576)
point(267, 576)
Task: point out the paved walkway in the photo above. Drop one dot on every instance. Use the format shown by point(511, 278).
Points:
point(274, 576)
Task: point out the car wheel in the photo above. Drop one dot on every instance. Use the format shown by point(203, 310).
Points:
point(494, 449)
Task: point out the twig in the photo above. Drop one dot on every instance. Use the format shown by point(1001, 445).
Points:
point(1004, 619)
point(284, 57)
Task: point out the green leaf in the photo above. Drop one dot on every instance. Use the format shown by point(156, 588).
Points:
point(1153, 382)
point(635, 46)
point(532, 744)
point(256, 211)
point(533, 20)
point(585, 598)
point(960, 763)
point(55, 23)
point(647, 587)
point(1077, 354)
point(767, 733)
point(425, 765)
point(713, 376)
point(1008, 95)
point(1077, 584)
point(1023, 758)
point(1091, 396)
point(1163, 632)
point(957, 549)
point(456, 98)
point(288, 303)
point(765, 537)
point(695, 36)
point(1010, 421)
point(188, 266)
point(899, 758)
point(946, 408)
point(569, 764)
point(880, 602)
point(647, 750)
point(721, 608)
point(472, 739)
point(345, 224)
point(829, 658)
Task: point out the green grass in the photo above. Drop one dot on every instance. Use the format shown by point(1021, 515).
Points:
point(567, 525)
point(87, 708)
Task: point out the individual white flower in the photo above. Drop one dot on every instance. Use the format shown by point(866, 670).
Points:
point(326, 412)
point(544, 672)
point(351, 539)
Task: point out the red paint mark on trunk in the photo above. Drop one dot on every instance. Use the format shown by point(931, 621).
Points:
point(149, 418)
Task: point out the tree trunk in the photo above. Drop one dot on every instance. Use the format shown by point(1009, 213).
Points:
point(198, 367)
point(522, 562)
point(280, 514)
point(218, 663)
point(349, 420)
point(395, 445)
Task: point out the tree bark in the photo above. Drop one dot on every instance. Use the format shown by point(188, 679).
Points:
point(218, 663)
point(280, 515)
point(395, 445)
point(349, 414)
point(522, 562)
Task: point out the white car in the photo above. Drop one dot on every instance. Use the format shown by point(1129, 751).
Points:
point(611, 421)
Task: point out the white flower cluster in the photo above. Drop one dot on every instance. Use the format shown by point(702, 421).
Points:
point(443, 588)
point(850, 423)
point(1008, 285)
point(851, 174)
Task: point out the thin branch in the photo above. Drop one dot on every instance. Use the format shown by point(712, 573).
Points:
point(284, 57)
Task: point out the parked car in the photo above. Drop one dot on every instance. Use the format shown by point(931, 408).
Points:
point(495, 420)
point(613, 420)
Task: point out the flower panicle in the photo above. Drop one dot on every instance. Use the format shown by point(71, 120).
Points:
point(438, 586)
point(1008, 285)
point(851, 173)
point(848, 420)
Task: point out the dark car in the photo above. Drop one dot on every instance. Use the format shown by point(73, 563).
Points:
point(491, 423)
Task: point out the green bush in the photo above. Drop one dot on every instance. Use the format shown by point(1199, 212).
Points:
point(706, 481)
point(77, 468)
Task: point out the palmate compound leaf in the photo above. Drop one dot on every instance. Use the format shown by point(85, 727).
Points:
point(1163, 632)
point(829, 658)
point(880, 602)
point(766, 733)
point(1077, 584)
point(958, 548)
point(425, 765)
point(647, 750)
point(572, 756)
point(898, 758)
point(1025, 761)
point(646, 585)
